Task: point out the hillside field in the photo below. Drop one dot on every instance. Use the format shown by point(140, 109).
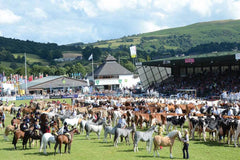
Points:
point(182, 38)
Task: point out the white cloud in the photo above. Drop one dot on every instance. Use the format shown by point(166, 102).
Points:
point(52, 1)
point(86, 6)
point(1, 33)
point(64, 4)
point(203, 7)
point(110, 5)
point(8, 17)
point(169, 6)
point(126, 5)
point(148, 26)
point(234, 8)
point(38, 13)
point(145, 3)
point(159, 15)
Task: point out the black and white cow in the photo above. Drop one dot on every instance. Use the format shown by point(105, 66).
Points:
point(193, 123)
point(237, 133)
point(204, 124)
point(212, 127)
point(175, 121)
point(223, 128)
point(200, 125)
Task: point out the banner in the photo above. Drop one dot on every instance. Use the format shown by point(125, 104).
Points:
point(189, 60)
point(70, 96)
point(55, 97)
point(133, 51)
point(167, 62)
point(24, 98)
point(237, 56)
point(8, 98)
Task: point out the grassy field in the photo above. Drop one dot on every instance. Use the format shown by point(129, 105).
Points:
point(71, 54)
point(96, 149)
point(31, 58)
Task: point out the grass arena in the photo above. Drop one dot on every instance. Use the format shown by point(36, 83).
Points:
point(95, 148)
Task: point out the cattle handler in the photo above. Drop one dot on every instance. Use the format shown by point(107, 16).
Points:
point(185, 141)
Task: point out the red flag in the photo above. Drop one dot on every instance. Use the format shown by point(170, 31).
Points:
point(30, 78)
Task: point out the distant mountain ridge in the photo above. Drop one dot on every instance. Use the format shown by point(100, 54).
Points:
point(174, 40)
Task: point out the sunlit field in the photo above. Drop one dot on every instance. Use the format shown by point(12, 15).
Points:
point(96, 149)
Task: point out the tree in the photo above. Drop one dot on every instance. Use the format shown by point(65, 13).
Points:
point(129, 66)
point(13, 65)
point(60, 71)
point(80, 69)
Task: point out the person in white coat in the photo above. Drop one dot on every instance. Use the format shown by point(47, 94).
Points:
point(230, 112)
point(178, 110)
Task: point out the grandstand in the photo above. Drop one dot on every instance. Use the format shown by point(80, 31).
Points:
point(208, 73)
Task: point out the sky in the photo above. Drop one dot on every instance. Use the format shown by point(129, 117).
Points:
point(71, 21)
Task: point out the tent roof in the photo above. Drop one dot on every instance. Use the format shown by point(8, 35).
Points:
point(54, 82)
point(111, 67)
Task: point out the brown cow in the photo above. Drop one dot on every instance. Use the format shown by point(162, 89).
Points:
point(144, 117)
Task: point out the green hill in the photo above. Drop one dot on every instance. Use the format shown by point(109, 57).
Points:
point(169, 41)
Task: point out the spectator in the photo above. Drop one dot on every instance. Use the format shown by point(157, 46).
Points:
point(122, 122)
point(178, 110)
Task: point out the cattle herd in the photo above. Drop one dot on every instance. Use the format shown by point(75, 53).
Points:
point(219, 118)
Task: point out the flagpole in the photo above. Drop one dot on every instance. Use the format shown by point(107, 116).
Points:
point(25, 73)
point(92, 69)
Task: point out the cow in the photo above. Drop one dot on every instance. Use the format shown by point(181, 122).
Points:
point(237, 133)
point(211, 127)
point(175, 121)
point(144, 117)
point(198, 124)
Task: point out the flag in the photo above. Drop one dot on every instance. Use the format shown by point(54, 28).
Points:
point(1, 77)
point(90, 57)
point(133, 51)
point(30, 78)
point(4, 78)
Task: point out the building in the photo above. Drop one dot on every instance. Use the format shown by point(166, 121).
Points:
point(54, 84)
point(111, 75)
point(156, 71)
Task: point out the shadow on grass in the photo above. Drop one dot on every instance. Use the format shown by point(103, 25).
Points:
point(99, 142)
point(151, 156)
point(107, 145)
point(41, 153)
point(125, 150)
point(12, 149)
point(8, 149)
point(212, 143)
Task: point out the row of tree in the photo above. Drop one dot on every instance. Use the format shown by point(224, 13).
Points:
point(46, 70)
point(46, 51)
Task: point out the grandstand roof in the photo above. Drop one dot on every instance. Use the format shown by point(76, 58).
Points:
point(53, 82)
point(209, 59)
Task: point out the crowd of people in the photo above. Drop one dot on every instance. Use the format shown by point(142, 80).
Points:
point(206, 83)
